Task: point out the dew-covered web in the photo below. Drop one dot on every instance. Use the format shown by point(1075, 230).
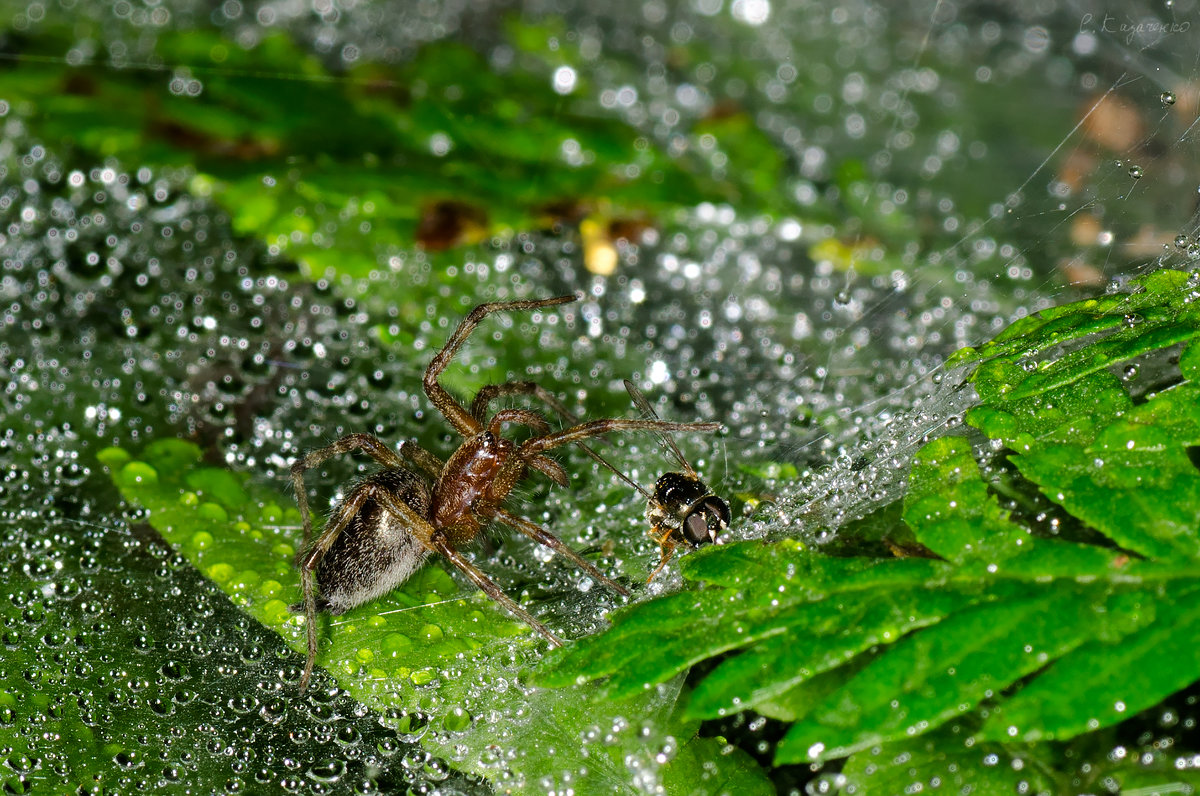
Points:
point(938, 171)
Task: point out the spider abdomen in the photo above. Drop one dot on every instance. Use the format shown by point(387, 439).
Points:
point(377, 551)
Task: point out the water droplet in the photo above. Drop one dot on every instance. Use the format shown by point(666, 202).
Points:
point(138, 474)
point(212, 511)
point(1167, 98)
point(328, 770)
point(220, 573)
point(1132, 319)
point(457, 720)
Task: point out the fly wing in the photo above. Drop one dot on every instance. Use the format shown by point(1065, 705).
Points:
point(639, 400)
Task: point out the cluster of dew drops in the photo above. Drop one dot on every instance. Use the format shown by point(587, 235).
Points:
point(129, 312)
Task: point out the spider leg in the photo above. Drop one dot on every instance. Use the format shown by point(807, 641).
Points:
point(544, 537)
point(374, 448)
point(491, 392)
point(524, 417)
point(427, 462)
point(434, 541)
point(489, 587)
point(308, 558)
point(462, 420)
point(595, 428)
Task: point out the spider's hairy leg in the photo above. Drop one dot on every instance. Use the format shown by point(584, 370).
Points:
point(438, 543)
point(544, 537)
point(309, 559)
point(425, 461)
point(378, 451)
point(454, 412)
point(491, 589)
point(595, 428)
point(491, 392)
point(372, 446)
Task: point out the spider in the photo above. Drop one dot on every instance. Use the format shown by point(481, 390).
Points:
point(391, 520)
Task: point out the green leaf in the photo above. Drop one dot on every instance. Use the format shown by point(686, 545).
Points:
point(722, 769)
point(1106, 681)
point(345, 199)
point(1028, 337)
point(949, 761)
point(779, 664)
point(950, 511)
point(945, 670)
point(653, 641)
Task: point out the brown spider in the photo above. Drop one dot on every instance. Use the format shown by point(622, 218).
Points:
point(391, 520)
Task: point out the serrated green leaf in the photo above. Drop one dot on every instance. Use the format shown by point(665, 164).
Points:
point(945, 670)
point(651, 642)
point(1134, 483)
point(1064, 324)
point(1122, 469)
point(1164, 328)
point(919, 641)
point(950, 511)
point(1070, 414)
point(796, 702)
point(948, 761)
point(780, 663)
point(1106, 681)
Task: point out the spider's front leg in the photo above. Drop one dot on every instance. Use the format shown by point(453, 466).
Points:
point(596, 428)
point(373, 446)
point(544, 537)
point(492, 589)
point(491, 392)
point(376, 539)
point(459, 417)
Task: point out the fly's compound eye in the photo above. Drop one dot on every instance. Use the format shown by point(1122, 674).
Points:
point(706, 521)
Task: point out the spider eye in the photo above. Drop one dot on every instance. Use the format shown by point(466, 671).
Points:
point(707, 520)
